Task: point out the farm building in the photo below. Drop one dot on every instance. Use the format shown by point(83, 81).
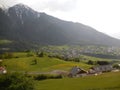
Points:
point(77, 72)
point(100, 69)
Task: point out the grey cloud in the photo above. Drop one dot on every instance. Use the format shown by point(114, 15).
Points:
point(55, 5)
point(51, 5)
point(7, 3)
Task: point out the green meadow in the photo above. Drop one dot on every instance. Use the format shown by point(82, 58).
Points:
point(5, 41)
point(22, 62)
point(106, 81)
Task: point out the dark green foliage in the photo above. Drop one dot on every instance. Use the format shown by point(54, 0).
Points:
point(41, 54)
point(34, 62)
point(90, 62)
point(46, 76)
point(40, 77)
point(116, 66)
point(15, 81)
point(103, 62)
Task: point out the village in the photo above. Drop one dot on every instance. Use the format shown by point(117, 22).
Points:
point(76, 51)
point(41, 67)
point(96, 70)
point(75, 71)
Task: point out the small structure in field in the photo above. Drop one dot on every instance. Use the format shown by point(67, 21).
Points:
point(77, 72)
point(3, 70)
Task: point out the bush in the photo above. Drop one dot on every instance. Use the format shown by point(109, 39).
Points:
point(15, 81)
point(116, 66)
point(40, 54)
point(47, 76)
point(34, 62)
point(103, 63)
point(40, 77)
point(90, 62)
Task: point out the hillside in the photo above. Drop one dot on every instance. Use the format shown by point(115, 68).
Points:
point(27, 28)
point(107, 81)
point(23, 62)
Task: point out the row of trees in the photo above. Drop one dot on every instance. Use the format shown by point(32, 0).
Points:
point(90, 62)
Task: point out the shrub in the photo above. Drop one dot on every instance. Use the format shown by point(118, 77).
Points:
point(47, 76)
point(103, 63)
point(15, 81)
point(40, 54)
point(90, 62)
point(116, 66)
point(34, 62)
point(40, 77)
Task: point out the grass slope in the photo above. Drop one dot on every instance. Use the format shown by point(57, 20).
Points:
point(107, 81)
point(5, 41)
point(24, 63)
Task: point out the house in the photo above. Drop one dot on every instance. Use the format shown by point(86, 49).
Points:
point(77, 72)
point(100, 69)
point(3, 70)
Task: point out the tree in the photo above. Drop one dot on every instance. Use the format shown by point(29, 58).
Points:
point(34, 62)
point(41, 54)
point(90, 62)
point(103, 63)
point(15, 81)
point(117, 66)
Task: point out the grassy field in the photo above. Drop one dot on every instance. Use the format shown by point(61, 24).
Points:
point(44, 64)
point(106, 81)
point(5, 41)
point(24, 62)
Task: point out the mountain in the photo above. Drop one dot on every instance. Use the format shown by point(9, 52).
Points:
point(21, 24)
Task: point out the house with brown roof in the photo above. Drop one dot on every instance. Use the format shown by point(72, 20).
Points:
point(77, 72)
point(100, 69)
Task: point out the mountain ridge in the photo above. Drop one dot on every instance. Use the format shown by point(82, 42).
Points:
point(23, 24)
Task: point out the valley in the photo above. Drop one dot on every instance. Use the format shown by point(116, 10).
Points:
point(42, 52)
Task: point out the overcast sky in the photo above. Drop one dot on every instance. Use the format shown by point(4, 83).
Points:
point(103, 15)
